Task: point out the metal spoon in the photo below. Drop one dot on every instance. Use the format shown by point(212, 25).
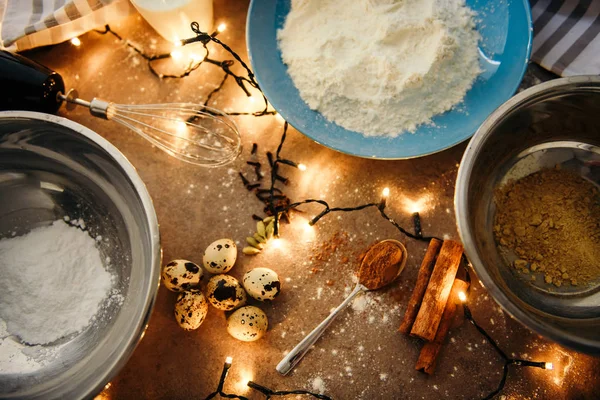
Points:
point(294, 356)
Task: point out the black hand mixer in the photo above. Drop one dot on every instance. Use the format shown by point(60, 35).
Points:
point(190, 132)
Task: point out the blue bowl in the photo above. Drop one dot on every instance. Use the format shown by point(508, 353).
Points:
point(504, 50)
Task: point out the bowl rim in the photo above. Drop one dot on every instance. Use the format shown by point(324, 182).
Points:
point(467, 164)
point(340, 149)
point(100, 379)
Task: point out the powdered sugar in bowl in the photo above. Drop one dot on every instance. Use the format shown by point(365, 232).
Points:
point(79, 258)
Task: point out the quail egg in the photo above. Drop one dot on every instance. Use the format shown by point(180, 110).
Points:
point(220, 256)
point(247, 324)
point(225, 292)
point(262, 284)
point(191, 309)
point(180, 275)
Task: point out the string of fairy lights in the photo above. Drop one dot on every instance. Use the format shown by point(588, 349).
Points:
point(268, 393)
point(195, 61)
point(278, 205)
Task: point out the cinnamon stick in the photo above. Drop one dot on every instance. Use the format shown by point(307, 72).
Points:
point(430, 350)
point(438, 289)
point(419, 291)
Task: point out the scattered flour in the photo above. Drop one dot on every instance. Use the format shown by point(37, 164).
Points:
point(360, 303)
point(380, 67)
point(318, 385)
point(53, 283)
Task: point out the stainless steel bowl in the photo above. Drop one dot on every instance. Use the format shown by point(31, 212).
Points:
point(557, 122)
point(51, 167)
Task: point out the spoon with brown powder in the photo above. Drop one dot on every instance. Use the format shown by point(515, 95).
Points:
point(382, 264)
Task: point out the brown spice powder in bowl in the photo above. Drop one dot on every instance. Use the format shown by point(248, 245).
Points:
point(551, 220)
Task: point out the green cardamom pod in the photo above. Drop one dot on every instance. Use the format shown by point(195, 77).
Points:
point(260, 238)
point(270, 229)
point(268, 219)
point(254, 243)
point(250, 251)
point(260, 228)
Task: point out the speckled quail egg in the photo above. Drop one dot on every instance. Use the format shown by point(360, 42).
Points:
point(225, 292)
point(180, 275)
point(191, 309)
point(262, 284)
point(220, 256)
point(247, 324)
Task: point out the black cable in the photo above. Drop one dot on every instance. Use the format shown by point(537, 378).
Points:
point(219, 390)
point(404, 231)
point(507, 360)
point(417, 224)
point(262, 389)
point(225, 65)
point(271, 393)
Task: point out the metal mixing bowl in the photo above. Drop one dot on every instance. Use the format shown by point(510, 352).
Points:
point(51, 167)
point(557, 122)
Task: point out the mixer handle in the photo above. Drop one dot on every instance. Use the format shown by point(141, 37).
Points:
point(28, 85)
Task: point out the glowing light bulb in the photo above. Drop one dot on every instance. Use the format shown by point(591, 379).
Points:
point(277, 243)
point(549, 366)
point(252, 99)
point(414, 206)
point(221, 27)
point(384, 196)
point(177, 42)
point(302, 167)
point(228, 360)
point(76, 42)
point(462, 296)
point(176, 54)
point(241, 386)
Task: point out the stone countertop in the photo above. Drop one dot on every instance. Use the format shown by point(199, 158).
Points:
point(362, 355)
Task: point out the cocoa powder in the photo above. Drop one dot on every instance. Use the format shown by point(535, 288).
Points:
point(380, 265)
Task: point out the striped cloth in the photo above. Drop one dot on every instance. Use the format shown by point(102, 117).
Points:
point(25, 24)
point(566, 36)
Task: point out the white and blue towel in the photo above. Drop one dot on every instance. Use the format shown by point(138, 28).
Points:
point(25, 24)
point(566, 36)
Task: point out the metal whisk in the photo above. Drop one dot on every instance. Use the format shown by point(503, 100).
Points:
point(189, 132)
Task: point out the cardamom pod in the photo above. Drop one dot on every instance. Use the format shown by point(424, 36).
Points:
point(268, 219)
point(270, 229)
point(250, 251)
point(260, 228)
point(254, 243)
point(259, 238)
